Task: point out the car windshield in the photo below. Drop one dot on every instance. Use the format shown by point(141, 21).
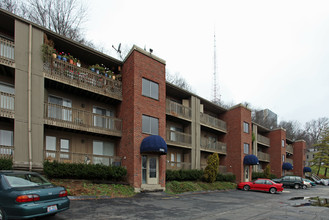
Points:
point(25, 180)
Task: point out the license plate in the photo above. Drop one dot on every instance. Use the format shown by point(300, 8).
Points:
point(52, 208)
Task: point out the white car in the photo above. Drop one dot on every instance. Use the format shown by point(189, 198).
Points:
point(306, 184)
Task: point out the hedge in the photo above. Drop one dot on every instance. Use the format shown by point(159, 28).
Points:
point(256, 175)
point(6, 163)
point(83, 171)
point(195, 175)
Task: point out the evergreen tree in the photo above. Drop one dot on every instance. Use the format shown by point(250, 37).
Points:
point(211, 170)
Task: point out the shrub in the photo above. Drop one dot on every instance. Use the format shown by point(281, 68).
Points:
point(211, 170)
point(225, 177)
point(256, 175)
point(267, 171)
point(183, 175)
point(83, 171)
point(6, 163)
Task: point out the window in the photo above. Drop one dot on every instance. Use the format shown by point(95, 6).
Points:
point(282, 143)
point(50, 146)
point(260, 182)
point(104, 149)
point(150, 125)
point(267, 182)
point(245, 127)
point(6, 96)
point(282, 158)
point(246, 148)
point(150, 89)
point(6, 139)
point(64, 147)
point(59, 108)
point(103, 118)
point(174, 134)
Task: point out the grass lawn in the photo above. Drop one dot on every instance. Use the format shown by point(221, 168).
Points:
point(87, 188)
point(322, 171)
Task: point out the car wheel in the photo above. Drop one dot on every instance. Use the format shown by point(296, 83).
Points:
point(296, 186)
point(2, 215)
point(246, 188)
point(304, 186)
point(273, 190)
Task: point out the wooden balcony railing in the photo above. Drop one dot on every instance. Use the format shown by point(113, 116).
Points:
point(216, 146)
point(7, 52)
point(179, 138)
point(263, 156)
point(263, 140)
point(171, 165)
point(178, 110)
point(7, 105)
point(72, 157)
point(212, 122)
point(290, 149)
point(77, 119)
point(6, 151)
point(83, 78)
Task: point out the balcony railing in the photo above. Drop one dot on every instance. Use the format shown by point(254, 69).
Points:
point(216, 146)
point(221, 168)
point(83, 78)
point(178, 110)
point(77, 119)
point(290, 149)
point(179, 138)
point(171, 165)
point(212, 122)
point(7, 52)
point(263, 140)
point(263, 156)
point(6, 151)
point(70, 157)
point(7, 105)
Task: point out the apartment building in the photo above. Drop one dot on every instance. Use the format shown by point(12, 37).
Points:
point(120, 113)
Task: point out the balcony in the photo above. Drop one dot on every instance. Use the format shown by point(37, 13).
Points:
point(221, 169)
point(7, 105)
point(171, 165)
point(217, 147)
point(6, 151)
point(61, 116)
point(265, 157)
point(70, 157)
point(7, 52)
point(263, 140)
point(213, 122)
point(66, 73)
point(178, 138)
point(178, 110)
point(290, 149)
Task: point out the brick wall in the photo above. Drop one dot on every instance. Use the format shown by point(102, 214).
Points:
point(299, 157)
point(235, 138)
point(276, 150)
point(134, 105)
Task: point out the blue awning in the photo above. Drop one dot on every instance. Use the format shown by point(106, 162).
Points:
point(250, 160)
point(154, 144)
point(287, 166)
point(307, 169)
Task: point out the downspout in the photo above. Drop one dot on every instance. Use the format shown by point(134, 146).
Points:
point(29, 98)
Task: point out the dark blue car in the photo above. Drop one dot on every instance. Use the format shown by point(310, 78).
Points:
point(28, 195)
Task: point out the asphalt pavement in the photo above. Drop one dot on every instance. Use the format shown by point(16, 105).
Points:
point(232, 204)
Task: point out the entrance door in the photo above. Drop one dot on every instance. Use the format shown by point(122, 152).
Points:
point(246, 173)
point(150, 174)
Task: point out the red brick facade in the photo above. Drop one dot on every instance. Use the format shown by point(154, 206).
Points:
point(235, 139)
point(277, 151)
point(134, 105)
point(299, 157)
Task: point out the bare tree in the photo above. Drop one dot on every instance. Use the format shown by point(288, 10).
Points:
point(9, 5)
point(178, 81)
point(316, 129)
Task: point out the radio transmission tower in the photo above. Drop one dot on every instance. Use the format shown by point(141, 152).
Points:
point(216, 95)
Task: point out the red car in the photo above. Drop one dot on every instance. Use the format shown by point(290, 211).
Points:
point(266, 185)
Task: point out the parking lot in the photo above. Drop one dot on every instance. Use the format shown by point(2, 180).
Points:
point(233, 204)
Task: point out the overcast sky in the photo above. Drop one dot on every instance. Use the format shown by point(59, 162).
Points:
point(271, 54)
